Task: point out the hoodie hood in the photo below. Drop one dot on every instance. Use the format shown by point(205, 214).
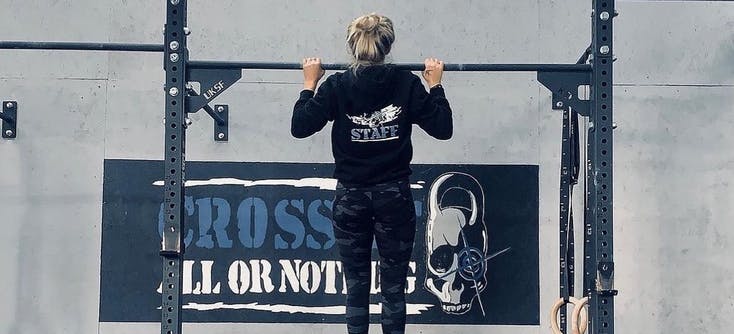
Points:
point(370, 85)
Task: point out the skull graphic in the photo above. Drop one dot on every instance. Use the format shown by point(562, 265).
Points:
point(456, 242)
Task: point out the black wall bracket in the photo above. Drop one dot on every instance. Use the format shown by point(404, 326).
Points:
point(605, 279)
point(564, 87)
point(9, 117)
point(220, 115)
point(221, 130)
point(213, 83)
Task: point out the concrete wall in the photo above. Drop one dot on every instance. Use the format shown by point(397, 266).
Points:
point(674, 166)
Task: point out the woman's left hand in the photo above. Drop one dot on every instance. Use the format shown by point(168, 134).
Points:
point(312, 73)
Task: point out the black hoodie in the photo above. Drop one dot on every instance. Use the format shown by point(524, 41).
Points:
point(373, 113)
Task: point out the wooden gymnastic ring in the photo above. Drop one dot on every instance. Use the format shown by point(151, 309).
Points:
point(580, 316)
point(579, 311)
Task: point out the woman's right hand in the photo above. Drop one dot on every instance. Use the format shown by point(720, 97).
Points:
point(433, 72)
point(312, 73)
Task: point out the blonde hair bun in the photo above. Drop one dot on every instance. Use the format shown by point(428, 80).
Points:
point(369, 39)
point(367, 23)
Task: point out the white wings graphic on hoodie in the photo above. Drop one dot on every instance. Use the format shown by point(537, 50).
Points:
point(385, 115)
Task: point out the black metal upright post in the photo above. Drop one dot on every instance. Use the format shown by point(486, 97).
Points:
point(599, 268)
point(172, 248)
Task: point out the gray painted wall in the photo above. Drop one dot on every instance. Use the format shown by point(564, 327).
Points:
point(674, 161)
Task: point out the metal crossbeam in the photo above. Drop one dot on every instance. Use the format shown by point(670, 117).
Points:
point(81, 46)
point(212, 64)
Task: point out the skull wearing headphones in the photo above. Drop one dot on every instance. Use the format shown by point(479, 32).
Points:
point(456, 242)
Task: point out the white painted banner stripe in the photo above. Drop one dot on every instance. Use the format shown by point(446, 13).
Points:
point(313, 182)
point(412, 309)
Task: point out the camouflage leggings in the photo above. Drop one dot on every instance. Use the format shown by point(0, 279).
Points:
point(387, 213)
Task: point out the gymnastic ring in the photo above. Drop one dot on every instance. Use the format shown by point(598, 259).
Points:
point(577, 311)
point(580, 316)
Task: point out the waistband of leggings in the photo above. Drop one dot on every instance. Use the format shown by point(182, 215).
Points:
point(382, 185)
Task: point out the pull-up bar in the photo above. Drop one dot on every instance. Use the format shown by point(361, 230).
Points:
point(82, 46)
point(207, 64)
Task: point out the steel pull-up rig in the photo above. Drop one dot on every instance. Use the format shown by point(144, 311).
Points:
point(563, 80)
